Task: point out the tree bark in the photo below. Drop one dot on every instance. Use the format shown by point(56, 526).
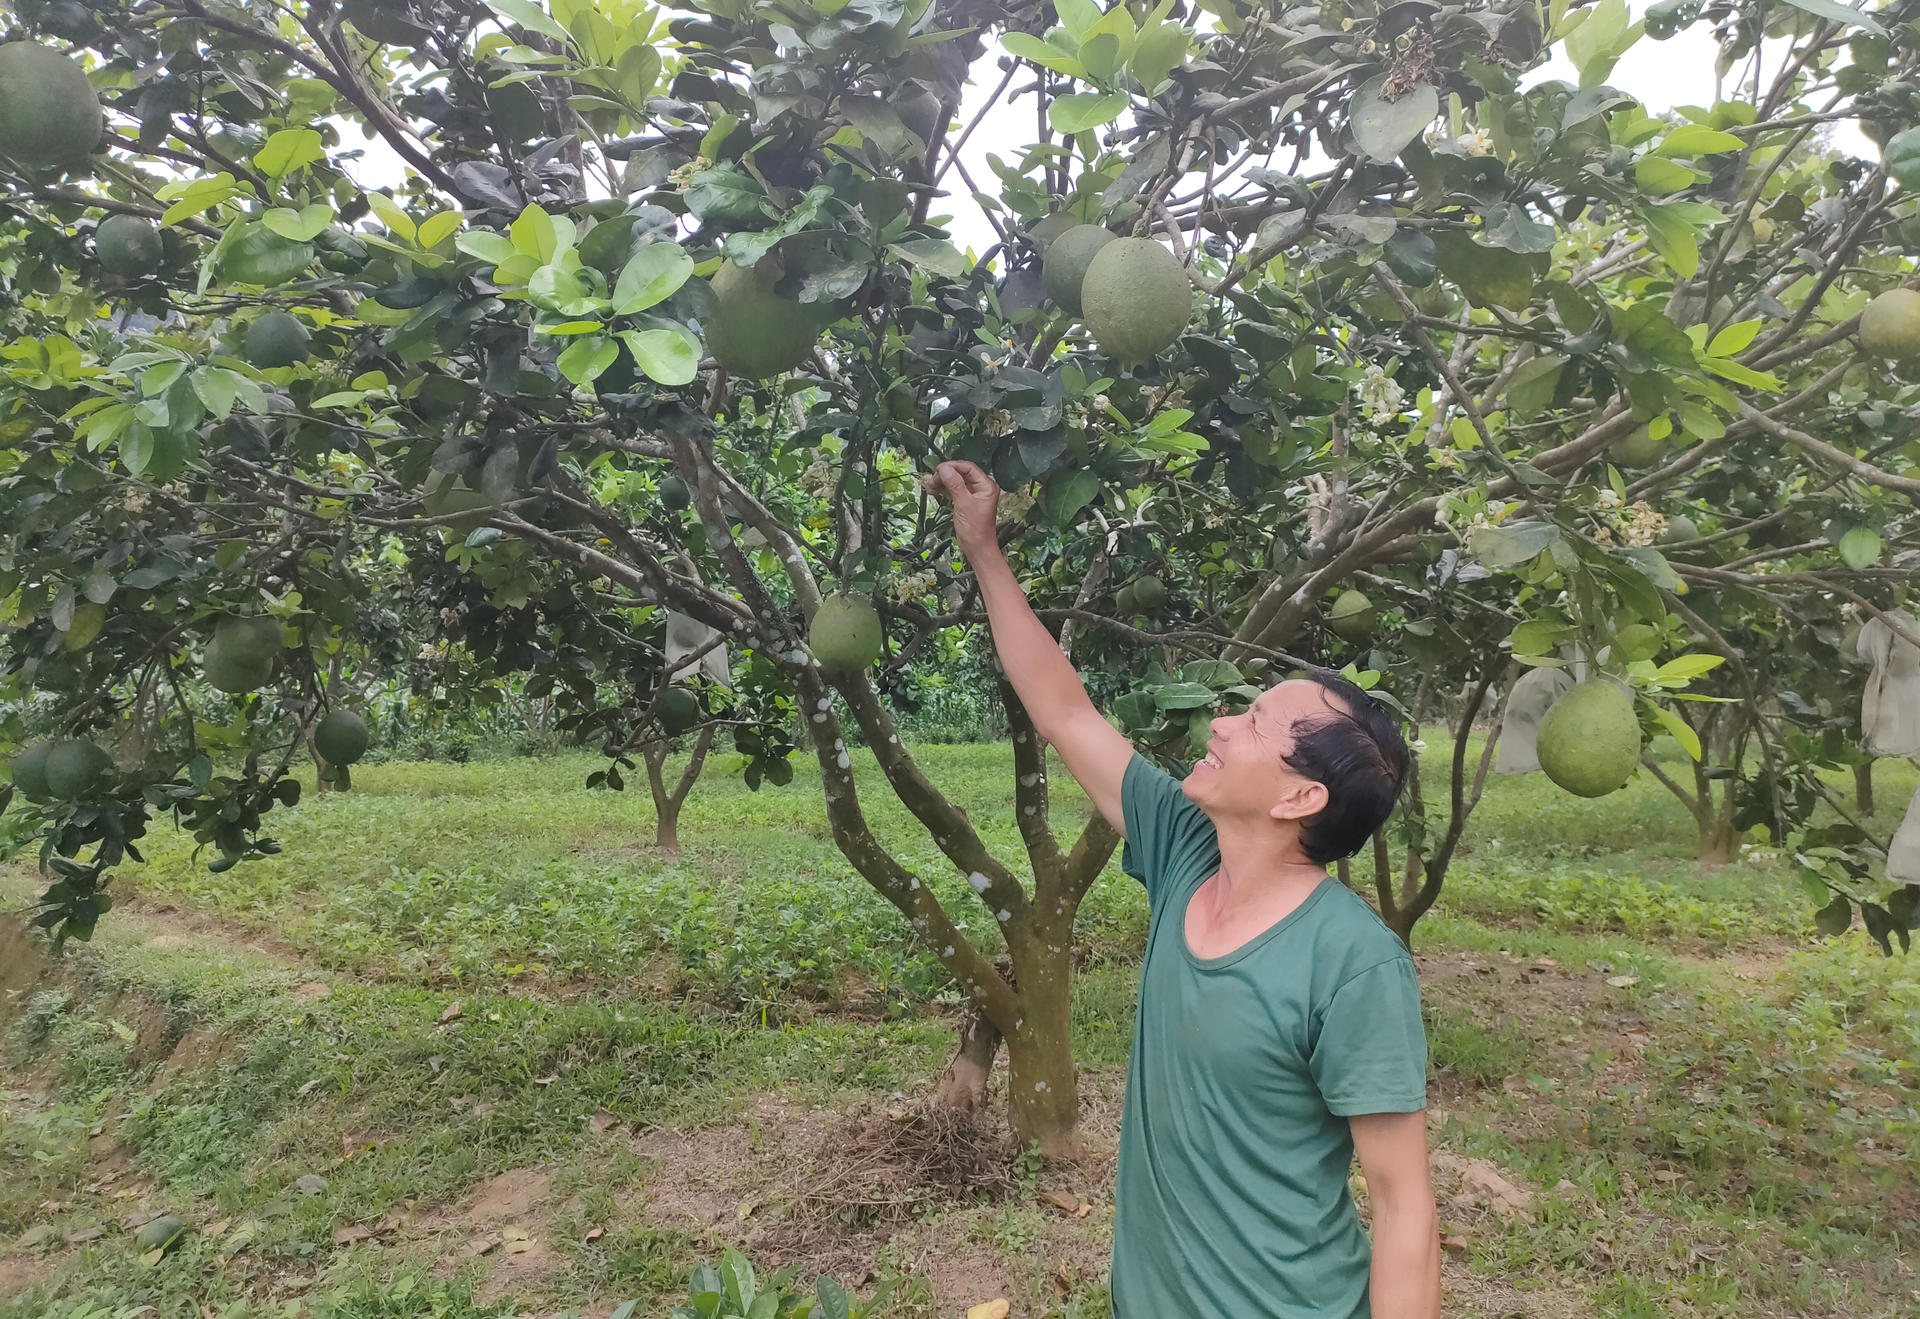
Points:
point(667, 802)
point(1863, 787)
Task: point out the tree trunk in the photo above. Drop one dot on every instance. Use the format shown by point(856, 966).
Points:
point(1719, 841)
point(667, 802)
point(1863, 787)
point(1043, 1085)
point(964, 1084)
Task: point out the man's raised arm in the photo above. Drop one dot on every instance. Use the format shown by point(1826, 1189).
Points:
point(1094, 751)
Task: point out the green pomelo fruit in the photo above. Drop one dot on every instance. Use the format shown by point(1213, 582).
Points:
point(1637, 449)
point(1890, 326)
point(1064, 269)
point(1352, 616)
point(29, 770)
point(257, 637)
point(1136, 299)
point(1149, 593)
point(1590, 741)
point(75, 768)
point(1679, 527)
point(1125, 602)
point(754, 332)
point(159, 1233)
point(444, 496)
point(845, 634)
point(49, 114)
point(341, 738)
point(129, 246)
point(679, 710)
point(676, 496)
point(276, 339)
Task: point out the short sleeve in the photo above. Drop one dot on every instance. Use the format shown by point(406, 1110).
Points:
point(1371, 1056)
point(1167, 835)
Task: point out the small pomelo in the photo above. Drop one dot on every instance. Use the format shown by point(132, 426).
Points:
point(1352, 616)
point(1890, 326)
point(1589, 742)
point(1064, 269)
point(276, 339)
point(159, 1233)
point(1136, 298)
point(1638, 448)
point(240, 657)
point(29, 770)
point(341, 738)
point(49, 113)
point(1149, 593)
point(1124, 602)
point(129, 246)
point(845, 633)
point(676, 496)
point(679, 710)
point(1680, 527)
point(754, 332)
point(75, 768)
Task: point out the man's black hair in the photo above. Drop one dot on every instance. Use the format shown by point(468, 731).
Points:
point(1356, 750)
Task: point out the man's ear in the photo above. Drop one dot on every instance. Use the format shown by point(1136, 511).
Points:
point(1303, 800)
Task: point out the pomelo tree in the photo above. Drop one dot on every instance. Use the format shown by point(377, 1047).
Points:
point(1397, 354)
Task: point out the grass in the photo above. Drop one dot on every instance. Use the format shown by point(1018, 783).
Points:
point(326, 1062)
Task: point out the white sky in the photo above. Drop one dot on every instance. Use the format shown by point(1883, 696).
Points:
point(1658, 74)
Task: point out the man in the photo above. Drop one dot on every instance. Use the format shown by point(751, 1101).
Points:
point(1279, 1022)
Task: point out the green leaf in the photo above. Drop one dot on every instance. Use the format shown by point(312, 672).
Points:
point(1069, 491)
point(391, 215)
point(1160, 49)
point(1489, 276)
point(289, 149)
point(1860, 547)
point(531, 17)
point(1674, 237)
point(652, 274)
point(1083, 111)
point(435, 228)
point(1839, 13)
point(1685, 668)
point(1902, 156)
point(1513, 544)
point(833, 1299)
point(1533, 385)
point(1682, 731)
point(486, 245)
point(877, 122)
point(1657, 177)
point(300, 225)
point(585, 358)
point(1734, 339)
point(671, 357)
point(1384, 128)
point(1697, 140)
point(1742, 375)
point(725, 194)
point(1185, 696)
point(1834, 919)
point(935, 254)
point(1029, 47)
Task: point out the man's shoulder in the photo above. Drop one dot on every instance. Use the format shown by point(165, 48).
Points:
point(1350, 937)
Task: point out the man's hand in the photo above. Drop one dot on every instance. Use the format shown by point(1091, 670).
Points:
point(976, 505)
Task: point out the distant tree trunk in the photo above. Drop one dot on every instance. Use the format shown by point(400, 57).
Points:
point(1402, 904)
point(1712, 816)
point(667, 803)
point(1863, 787)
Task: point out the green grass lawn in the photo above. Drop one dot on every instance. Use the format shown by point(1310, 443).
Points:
point(470, 1002)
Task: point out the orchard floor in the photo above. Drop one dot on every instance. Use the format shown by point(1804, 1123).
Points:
point(471, 1047)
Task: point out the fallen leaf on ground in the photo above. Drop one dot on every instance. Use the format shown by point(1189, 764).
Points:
point(994, 1309)
point(308, 1087)
point(745, 1209)
point(1482, 1184)
point(452, 1013)
point(346, 1236)
point(595, 1233)
point(311, 1184)
point(1453, 1243)
point(86, 1234)
point(478, 1247)
point(601, 1121)
point(1623, 982)
point(1065, 1201)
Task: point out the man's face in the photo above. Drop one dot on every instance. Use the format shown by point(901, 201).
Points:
point(1244, 773)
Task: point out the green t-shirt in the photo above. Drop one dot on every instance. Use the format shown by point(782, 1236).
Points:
point(1235, 1149)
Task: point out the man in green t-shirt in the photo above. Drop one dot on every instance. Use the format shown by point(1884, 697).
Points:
point(1279, 1025)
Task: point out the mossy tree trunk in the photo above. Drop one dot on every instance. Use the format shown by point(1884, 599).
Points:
point(1723, 731)
point(667, 802)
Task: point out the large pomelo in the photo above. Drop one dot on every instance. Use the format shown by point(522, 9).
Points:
point(679, 710)
point(1890, 326)
point(341, 738)
point(276, 339)
point(755, 333)
point(1064, 269)
point(1149, 592)
point(75, 768)
point(129, 246)
point(49, 114)
point(1136, 298)
point(159, 1233)
point(240, 657)
point(1590, 741)
point(29, 770)
point(845, 633)
point(1352, 616)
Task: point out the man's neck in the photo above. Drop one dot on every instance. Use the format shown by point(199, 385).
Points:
point(1258, 859)
point(1263, 878)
